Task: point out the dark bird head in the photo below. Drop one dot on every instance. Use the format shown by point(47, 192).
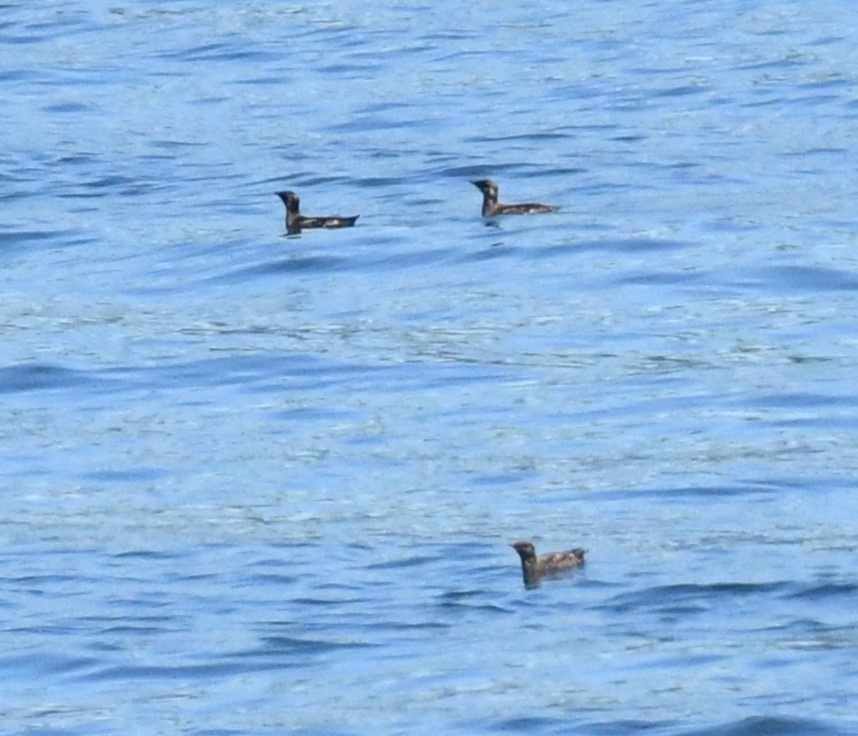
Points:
point(525, 550)
point(291, 200)
point(487, 187)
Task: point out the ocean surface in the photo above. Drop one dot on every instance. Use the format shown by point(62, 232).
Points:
point(257, 484)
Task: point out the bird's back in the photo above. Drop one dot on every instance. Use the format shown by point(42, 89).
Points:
point(560, 560)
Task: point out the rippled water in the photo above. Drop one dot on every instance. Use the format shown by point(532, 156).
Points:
point(256, 484)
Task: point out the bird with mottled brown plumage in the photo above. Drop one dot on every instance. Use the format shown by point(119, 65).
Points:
point(296, 222)
point(492, 208)
point(535, 568)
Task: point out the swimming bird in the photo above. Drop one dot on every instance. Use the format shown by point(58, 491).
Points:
point(492, 207)
point(535, 568)
point(296, 222)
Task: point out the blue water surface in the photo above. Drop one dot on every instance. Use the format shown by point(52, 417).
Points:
point(257, 484)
